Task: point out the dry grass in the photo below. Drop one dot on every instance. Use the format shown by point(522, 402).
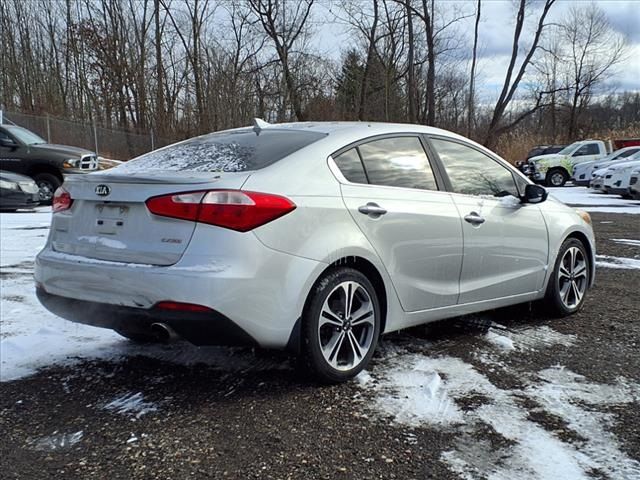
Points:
point(514, 146)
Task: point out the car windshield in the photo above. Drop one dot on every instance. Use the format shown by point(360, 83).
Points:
point(25, 136)
point(231, 151)
point(626, 153)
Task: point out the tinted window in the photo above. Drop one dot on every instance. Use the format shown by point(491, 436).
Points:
point(588, 149)
point(398, 162)
point(25, 136)
point(351, 167)
point(472, 172)
point(627, 153)
point(235, 151)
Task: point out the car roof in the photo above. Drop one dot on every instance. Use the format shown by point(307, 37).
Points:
point(362, 128)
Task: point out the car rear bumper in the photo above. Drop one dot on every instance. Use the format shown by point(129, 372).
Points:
point(10, 199)
point(261, 292)
point(199, 328)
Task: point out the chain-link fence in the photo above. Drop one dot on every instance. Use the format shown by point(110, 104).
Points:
point(108, 143)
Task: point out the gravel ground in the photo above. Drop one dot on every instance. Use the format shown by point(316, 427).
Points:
point(268, 421)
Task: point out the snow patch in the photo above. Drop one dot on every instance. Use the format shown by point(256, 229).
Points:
point(416, 390)
point(105, 242)
point(591, 201)
point(363, 378)
point(131, 404)
point(626, 241)
point(606, 261)
point(500, 341)
point(58, 441)
point(535, 338)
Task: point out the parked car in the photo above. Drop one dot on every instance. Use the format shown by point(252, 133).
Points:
point(24, 152)
point(554, 170)
point(597, 179)
point(617, 177)
point(17, 191)
point(634, 184)
point(582, 172)
point(316, 237)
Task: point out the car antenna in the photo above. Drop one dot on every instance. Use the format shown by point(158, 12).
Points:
point(259, 124)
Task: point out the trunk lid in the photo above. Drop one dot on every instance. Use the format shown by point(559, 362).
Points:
point(110, 221)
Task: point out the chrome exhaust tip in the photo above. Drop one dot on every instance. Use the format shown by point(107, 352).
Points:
point(164, 333)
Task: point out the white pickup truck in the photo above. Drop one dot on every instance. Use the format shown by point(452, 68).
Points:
point(555, 169)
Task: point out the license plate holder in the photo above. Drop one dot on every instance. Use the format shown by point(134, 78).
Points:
point(110, 218)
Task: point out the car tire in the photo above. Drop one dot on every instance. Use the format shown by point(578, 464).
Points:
point(337, 344)
point(569, 281)
point(556, 177)
point(48, 184)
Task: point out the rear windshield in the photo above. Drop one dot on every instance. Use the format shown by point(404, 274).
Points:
point(231, 151)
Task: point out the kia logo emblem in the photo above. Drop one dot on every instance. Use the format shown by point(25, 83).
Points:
point(103, 190)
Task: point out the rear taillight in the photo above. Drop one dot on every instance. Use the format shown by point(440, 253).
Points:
point(233, 209)
point(61, 200)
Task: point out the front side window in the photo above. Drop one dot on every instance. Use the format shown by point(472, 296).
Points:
point(471, 172)
point(398, 162)
point(25, 136)
point(588, 149)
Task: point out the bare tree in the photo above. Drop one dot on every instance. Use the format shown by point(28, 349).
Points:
point(593, 51)
point(285, 26)
point(472, 76)
point(511, 81)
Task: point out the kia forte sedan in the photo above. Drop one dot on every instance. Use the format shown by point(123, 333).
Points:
point(312, 237)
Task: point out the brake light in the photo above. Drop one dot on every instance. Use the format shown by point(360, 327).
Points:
point(61, 200)
point(234, 209)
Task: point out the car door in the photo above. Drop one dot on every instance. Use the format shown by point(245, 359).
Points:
point(390, 190)
point(505, 241)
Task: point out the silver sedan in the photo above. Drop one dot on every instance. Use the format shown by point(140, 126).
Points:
point(314, 237)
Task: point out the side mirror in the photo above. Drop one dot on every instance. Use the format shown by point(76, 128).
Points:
point(7, 142)
point(534, 194)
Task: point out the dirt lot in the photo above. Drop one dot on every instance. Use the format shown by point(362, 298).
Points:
point(531, 397)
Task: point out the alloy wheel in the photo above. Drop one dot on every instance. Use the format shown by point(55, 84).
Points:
point(346, 326)
point(45, 191)
point(572, 277)
point(557, 179)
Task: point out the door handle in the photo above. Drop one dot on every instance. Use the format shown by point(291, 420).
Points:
point(474, 219)
point(372, 209)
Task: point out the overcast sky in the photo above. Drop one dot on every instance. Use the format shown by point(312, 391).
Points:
point(496, 34)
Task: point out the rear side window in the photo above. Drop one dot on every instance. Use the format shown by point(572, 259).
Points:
point(471, 172)
point(398, 162)
point(350, 166)
point(234, 151)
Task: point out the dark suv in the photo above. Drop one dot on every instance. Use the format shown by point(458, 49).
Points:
point(24, 152)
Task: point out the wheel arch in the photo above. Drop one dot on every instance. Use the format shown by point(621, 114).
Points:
point(557, 168)
point(578, 235)
point(357, 263)
point(50, 169)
